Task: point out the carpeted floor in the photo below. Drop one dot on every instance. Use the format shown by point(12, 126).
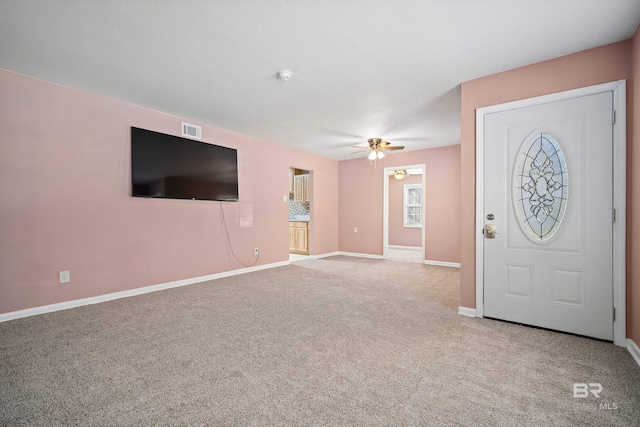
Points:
point(405, 255)
point(334, 341)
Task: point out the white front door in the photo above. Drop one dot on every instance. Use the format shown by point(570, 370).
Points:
point(548, 194)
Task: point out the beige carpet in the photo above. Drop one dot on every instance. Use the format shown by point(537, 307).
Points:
point(405, 255)
point(336, 341)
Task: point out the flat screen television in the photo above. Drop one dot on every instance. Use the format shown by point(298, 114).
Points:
point(170, 167)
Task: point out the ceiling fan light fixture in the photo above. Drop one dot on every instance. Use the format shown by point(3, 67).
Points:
point(400, 174)
point(376, 149)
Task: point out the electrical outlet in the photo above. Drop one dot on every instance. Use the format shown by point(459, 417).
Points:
point(256, 251)
point(65, 277)
point(355, 229)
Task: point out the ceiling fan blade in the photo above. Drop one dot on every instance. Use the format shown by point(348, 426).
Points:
point(384, 143)
point(394, 147)
point(359, 151)
point(360, 146)
point(410, 138)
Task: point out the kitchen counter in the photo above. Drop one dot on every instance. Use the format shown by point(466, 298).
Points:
point(299, 218)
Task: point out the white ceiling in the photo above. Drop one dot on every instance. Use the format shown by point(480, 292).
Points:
point(389, 69)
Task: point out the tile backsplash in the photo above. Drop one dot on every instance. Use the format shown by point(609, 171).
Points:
point(297, 208)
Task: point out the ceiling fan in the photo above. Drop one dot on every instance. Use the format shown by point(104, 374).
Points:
point(377, 147)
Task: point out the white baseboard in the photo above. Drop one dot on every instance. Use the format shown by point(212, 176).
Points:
point(466, 311)
point(360, 255)
point(408, 248)
point(443, 263)
point(4, 317)
point(634, 350)
point(324, 255)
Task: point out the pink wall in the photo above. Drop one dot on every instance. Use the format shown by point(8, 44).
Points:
point(399, 234)
point(360, 202)
point(591, 67)
point(65, 186)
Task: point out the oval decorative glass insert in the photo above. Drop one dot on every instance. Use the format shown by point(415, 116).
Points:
point(540, 186)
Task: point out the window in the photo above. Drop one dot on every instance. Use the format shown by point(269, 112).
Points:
point(412, 205)
point(540, 186)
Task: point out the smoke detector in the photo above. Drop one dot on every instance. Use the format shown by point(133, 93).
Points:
point(284, 75)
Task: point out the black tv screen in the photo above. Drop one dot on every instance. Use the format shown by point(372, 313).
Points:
point(170, 167)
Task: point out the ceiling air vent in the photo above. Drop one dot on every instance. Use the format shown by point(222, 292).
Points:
point(192, 131)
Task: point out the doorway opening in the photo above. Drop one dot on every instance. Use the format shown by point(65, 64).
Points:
point(300, 196)
point(403, 215)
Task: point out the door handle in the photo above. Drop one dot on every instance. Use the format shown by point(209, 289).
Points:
point(490, 231)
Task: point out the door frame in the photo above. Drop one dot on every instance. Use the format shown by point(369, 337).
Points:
point(385, 207)
point(311, 209)
point(619, 192)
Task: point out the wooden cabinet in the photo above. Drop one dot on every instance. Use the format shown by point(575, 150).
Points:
point(297, 188)
point(299, 237)
point(292, 237)
point(301, 192)
point(306, 194)
point(302, 234)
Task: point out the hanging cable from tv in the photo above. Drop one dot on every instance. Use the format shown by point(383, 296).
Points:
point(224, 220)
